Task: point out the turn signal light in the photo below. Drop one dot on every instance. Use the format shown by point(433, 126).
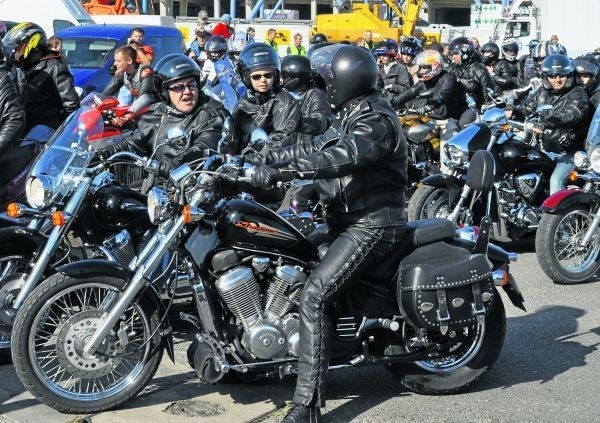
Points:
point(14, 210)
point(187, 214)
point(500, 277)
point(58, 218)
point(573, 175)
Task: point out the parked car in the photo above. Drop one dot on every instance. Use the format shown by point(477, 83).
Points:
point(89, 50)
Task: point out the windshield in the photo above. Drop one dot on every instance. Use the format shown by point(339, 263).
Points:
point(72, 147)
point(87, 52)
point(593, 137)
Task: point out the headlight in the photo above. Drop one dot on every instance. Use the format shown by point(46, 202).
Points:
point(454, 156)
point(159, 205)
point(37, 191)
point(595, 160)
point(581, 160)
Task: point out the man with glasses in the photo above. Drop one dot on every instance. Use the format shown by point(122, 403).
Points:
point(561, 130)
point(266, 105)
point(185, 107)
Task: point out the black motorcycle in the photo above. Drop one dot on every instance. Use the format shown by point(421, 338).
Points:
point(521, 184)
point(92, 336)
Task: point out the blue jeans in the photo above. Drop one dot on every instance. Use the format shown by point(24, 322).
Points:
point(564, 164)
point(125, 97)
point(40, 133)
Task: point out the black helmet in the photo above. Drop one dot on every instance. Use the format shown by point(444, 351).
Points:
point(171, 68)
point(411, 47)
point(216, 47)
point(258, 56)
point(462, 46)
point(588, 64)
point(532, 45)
point(315, 47)
point(494, 51)
point(348, 71)
point(296, 73)
point(318, 38)
point(510, 49)
point(557, 64)
point(26, 42)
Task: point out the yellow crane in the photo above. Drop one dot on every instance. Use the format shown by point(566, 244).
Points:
point(351, 24)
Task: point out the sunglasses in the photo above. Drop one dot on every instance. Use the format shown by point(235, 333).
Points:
point(555, 75)
point(258, 76)
point(179, 88)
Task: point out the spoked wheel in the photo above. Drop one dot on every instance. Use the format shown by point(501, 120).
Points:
point(559, 246)
point(54, 325)
point(429, 202)
point(467, 355)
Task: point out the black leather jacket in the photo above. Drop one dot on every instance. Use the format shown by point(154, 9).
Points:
point(398, 77)
point(475, 80)
point(316, 115)
point(570, 109)
point(12, 116)
point(278, 113)
point(203, 125)
point(50, 94)
point(502, 76)
point(139, 83)
point(358, 164)
point(446, 101)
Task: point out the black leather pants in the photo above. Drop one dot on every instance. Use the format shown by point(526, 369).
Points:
point(354, 251)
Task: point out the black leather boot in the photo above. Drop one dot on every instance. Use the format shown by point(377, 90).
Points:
point(303, 414)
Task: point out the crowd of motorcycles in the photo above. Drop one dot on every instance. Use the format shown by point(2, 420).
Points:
point(90, 268)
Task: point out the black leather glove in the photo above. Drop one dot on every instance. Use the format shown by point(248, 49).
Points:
point(423, 110)
point(255, 159)
point(103, 154)
point(266, 177)
point(164, 169)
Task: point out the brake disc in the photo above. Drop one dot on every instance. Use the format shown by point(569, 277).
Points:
point(74, 335)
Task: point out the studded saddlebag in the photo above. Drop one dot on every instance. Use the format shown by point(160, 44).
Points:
point(443, 287)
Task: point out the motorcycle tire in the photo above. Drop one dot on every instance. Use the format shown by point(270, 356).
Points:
point(428, 202)
point(556, 243)
point(427, 380)
point(36, 346)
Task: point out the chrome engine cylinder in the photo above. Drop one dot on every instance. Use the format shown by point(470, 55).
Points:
point(279, 301)
point(240, 291)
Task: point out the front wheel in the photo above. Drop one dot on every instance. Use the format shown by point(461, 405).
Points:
point(429, 202)
point(463, 362)
point(49, 334)
point(560, 253)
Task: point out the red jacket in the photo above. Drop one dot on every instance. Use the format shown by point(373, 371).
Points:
point(221, 29)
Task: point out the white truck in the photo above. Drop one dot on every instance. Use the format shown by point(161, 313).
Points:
point(51, 15)
point(574, 22)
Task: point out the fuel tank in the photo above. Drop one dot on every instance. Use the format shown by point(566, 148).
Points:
point(112, 208)
point(246, 224)
point(515, 156)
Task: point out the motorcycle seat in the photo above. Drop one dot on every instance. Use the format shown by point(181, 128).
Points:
point(13, 162)
point(428, 231)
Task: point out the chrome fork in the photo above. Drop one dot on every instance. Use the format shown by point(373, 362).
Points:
point(592, 229)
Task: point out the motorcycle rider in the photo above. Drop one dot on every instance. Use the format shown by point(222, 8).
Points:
point(471, 75)
point(587, 75)
point(184, 105)
point(446, 100)
point(49, 94)
point(510, 55)
point(360, 180)
point(561, 130)
point(12, 116)
point(393, 77)
point(498, 68)
point(531, 46)
point(266, 105)
point(216, 49)
point(408, 50)
point(296, 75)
point(136, 78)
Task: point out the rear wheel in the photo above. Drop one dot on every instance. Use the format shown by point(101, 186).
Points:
point(51, 329)
point(558, 246)
point(456, 367)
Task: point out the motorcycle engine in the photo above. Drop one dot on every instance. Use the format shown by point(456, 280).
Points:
point(516, 195)
point(270, 329)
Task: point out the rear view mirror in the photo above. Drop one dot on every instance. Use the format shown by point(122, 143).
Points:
point(259, 142)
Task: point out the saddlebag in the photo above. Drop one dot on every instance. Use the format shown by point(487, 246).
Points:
point(442, 287)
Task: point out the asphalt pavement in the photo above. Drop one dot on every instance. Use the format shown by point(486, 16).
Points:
point(547, 372)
